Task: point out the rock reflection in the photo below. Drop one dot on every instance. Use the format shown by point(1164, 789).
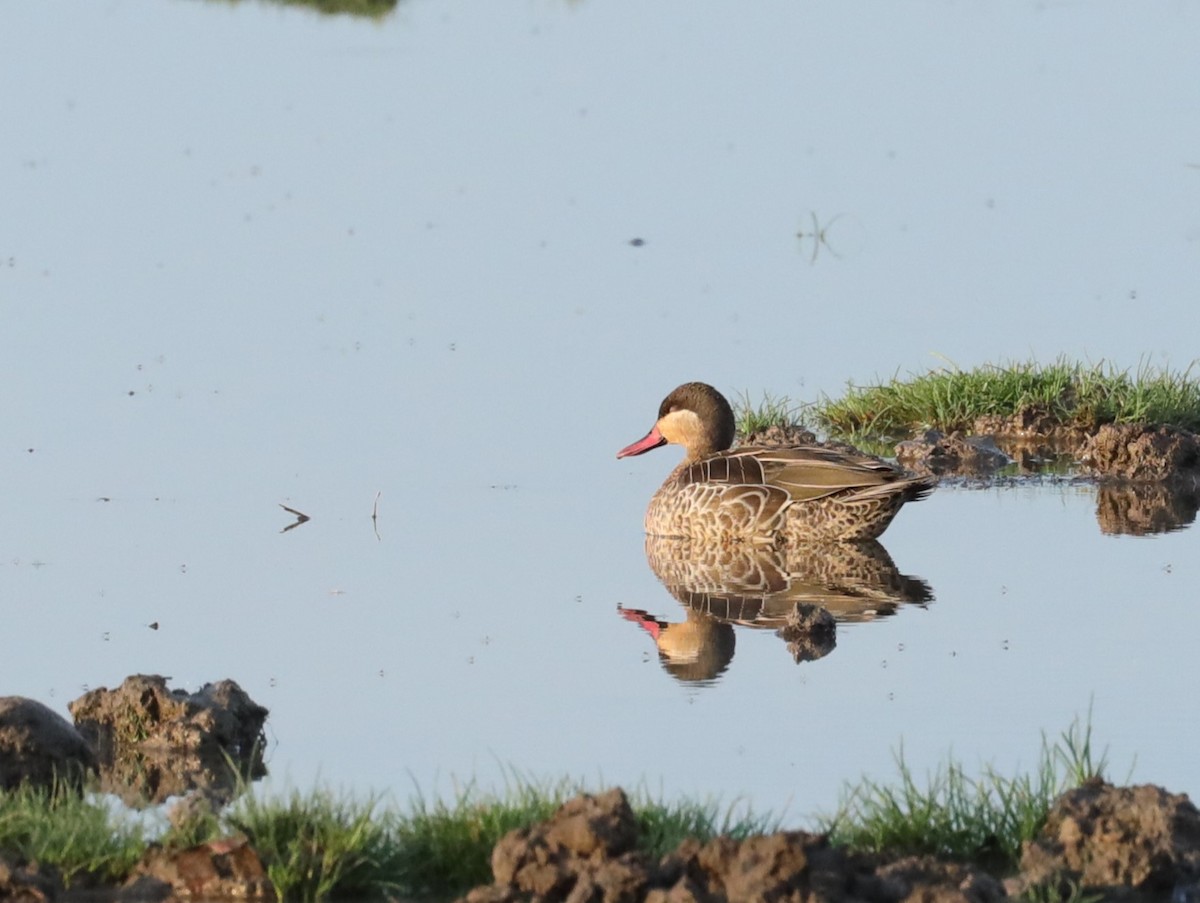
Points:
point(1143, 509)
point(800, 593)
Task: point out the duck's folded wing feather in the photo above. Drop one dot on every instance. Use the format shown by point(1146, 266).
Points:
point(808, 473)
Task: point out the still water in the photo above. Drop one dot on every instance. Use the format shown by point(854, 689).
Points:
point(442, 266)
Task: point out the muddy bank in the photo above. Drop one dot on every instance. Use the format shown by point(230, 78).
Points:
point(1100, 841)
point(220, 870)
point(1118, 843)
point(1106, 842)
point(1132, 452)
point(1147, 477)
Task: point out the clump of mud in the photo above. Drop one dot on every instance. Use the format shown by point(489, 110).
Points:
point(1117, 841)
point(1032, 425)
point(1142, 453)
point(1113, 843)
point(780, 437)
point(940, 454)
point(153, 742)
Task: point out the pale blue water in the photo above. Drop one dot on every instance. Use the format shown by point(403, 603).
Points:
point(333, 258)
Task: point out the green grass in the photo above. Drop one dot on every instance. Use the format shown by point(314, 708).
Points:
point(981, 819)
point(771, 411)
point(1074, 394)
point(77, 835)
point(663, 827)
point(319, 842)
point(446, 848)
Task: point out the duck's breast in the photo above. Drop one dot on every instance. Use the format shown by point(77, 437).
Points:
point(723, 496)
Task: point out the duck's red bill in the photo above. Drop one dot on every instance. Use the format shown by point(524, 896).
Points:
point(652, 439)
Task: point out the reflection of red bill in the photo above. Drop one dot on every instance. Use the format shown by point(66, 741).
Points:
point(643, 619)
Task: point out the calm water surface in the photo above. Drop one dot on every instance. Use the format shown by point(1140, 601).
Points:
point(250, 256)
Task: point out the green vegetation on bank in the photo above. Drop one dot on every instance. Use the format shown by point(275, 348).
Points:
point(77, 835)
point(320, 843)
point(1073, 394)
point(983, 820)
point(773, 410)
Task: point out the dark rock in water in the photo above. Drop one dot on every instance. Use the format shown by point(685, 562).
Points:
point(1142, 453)
point(37, 745)
point(939, 454)
point(154, 743)
point(1102, 838)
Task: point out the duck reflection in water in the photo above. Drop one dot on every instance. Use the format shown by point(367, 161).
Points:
point(799, 592)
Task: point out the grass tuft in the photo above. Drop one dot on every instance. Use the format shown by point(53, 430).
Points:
point(772, 411)
point(663, 827)
point(317, 842)
point(1073, 394)
point(77, 835)
point(445, 848)
point(983, 820)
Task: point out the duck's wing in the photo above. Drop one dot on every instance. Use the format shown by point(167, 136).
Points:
point(807, 473)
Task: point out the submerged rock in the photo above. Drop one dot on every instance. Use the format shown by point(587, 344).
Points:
point(38, 745)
